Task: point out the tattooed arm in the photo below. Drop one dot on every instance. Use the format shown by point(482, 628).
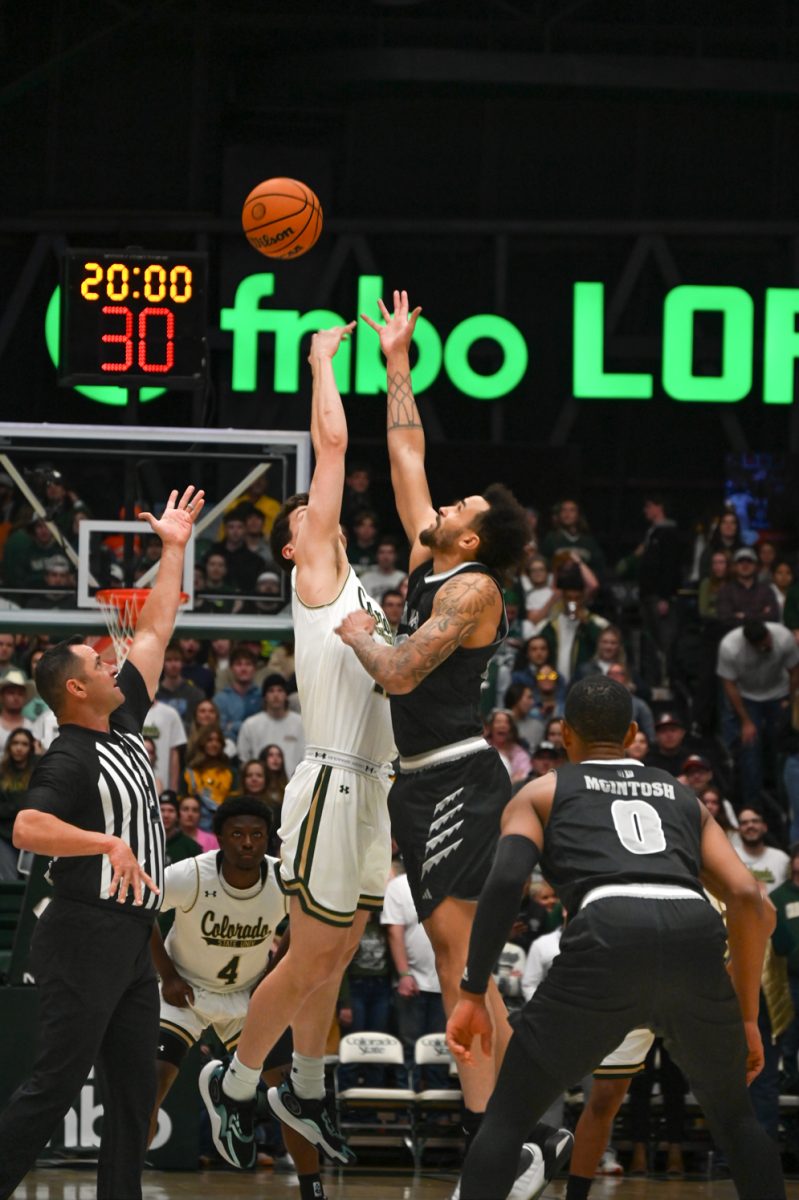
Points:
point(404, 426)
point(466, 612)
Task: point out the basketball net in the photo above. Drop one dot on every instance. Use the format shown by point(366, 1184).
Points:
point(121, 608)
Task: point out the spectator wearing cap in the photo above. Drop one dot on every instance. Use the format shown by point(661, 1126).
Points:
point(744, 597)
point(269, 590)
point(696, 773)
point(242, 697)
point(672, 745)
point(13, 695)
point(276, 724)
point(543, 759)
point(60, 582)
point(243, 566)
point(785, 940)
point(758, 665)
point(386, 574)
point(178, 844)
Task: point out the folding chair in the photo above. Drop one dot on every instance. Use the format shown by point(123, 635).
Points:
point(434, 1106)
point(397, 1101)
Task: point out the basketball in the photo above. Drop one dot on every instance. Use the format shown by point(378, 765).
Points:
point(282, 218)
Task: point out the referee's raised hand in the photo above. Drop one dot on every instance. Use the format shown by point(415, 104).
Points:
point(175, 523)
point(128, 874)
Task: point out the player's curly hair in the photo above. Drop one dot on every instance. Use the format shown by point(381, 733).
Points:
point(599, 709)
point(241, 806)
point(504, 531)
point(281, 534)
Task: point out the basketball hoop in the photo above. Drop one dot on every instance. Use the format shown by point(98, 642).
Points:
point(121, 608)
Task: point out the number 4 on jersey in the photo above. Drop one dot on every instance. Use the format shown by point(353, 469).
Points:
point(230, 971)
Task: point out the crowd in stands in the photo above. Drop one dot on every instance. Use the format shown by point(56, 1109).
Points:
point(702, 629)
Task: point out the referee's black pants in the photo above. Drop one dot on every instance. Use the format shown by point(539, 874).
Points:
point(98, 1007)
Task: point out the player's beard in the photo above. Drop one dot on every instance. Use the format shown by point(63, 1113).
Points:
point(436, 538)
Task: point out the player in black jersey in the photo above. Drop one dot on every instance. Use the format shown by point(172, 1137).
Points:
point(451, 787)
point(92, 805)
point(628, 850)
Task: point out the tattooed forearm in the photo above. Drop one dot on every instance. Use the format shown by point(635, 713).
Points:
point(460, 608)
point(401, 412)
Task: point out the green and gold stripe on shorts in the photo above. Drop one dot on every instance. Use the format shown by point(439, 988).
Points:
point(309, 830)
point(330, 916)
point(618, 1072)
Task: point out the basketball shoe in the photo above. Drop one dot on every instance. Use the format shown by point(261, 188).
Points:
point(314, 1120)
point(537, 1166)
point(231, 1121)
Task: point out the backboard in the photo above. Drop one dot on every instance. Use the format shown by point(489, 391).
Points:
point(85, 485)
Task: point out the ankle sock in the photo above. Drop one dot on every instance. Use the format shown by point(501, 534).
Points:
point(578, 1187)
point(311, 1187)
point(308, 1076)
point(240, 1082)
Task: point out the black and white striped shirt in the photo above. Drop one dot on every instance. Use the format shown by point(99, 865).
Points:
point(103, 782)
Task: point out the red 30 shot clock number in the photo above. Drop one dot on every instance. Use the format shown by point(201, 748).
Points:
point(132, 317)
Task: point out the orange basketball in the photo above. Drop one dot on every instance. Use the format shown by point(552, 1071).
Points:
point(282, 218)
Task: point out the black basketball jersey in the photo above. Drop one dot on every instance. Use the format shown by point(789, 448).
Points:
point(617, 821)
point(445, 707)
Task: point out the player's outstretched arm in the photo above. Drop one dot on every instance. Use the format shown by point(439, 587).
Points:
point(157, 618)
point(750, 923)
point(467, 607)
point(318, 553)
point(403, 424)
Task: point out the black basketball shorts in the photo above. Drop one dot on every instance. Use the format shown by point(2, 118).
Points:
point(446, 819)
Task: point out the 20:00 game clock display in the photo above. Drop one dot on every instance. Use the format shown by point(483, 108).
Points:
point(132, 317)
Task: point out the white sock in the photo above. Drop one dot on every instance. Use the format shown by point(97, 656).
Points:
point(240, 1082)
point(308, 1076)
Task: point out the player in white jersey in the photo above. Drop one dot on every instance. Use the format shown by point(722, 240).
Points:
point(335, 831)
point(228, 906)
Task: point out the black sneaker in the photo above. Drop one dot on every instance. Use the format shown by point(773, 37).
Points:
point(314, 1120)
point(231, 1121)
point(557, 1150)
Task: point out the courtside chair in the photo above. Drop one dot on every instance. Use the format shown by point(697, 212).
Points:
point(376, 1116)
point(438, 1109)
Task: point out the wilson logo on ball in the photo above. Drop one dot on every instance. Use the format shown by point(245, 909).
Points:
point(282, 218)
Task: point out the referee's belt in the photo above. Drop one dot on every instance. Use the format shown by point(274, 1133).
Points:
point(641, 891)
point(444, 754)
point(348, 762)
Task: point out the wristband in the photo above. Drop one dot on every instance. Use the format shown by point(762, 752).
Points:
point(406, 975)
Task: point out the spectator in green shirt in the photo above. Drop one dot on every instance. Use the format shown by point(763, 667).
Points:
point(785, 940)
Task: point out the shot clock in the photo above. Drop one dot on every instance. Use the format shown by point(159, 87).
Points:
point(132, 317)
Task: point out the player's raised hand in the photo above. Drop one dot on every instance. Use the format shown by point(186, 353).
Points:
point(397, 332)
point(175, 523)
point(354, 624)
point(326, 342)
point(469, 1019)
point(127, 873)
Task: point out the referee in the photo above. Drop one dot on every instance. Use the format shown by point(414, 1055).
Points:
point(92, 806)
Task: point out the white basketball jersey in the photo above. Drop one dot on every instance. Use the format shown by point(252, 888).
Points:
point(222, 936)
point(342, 707)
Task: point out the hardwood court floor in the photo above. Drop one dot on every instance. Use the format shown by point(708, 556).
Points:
point(394, 1184)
